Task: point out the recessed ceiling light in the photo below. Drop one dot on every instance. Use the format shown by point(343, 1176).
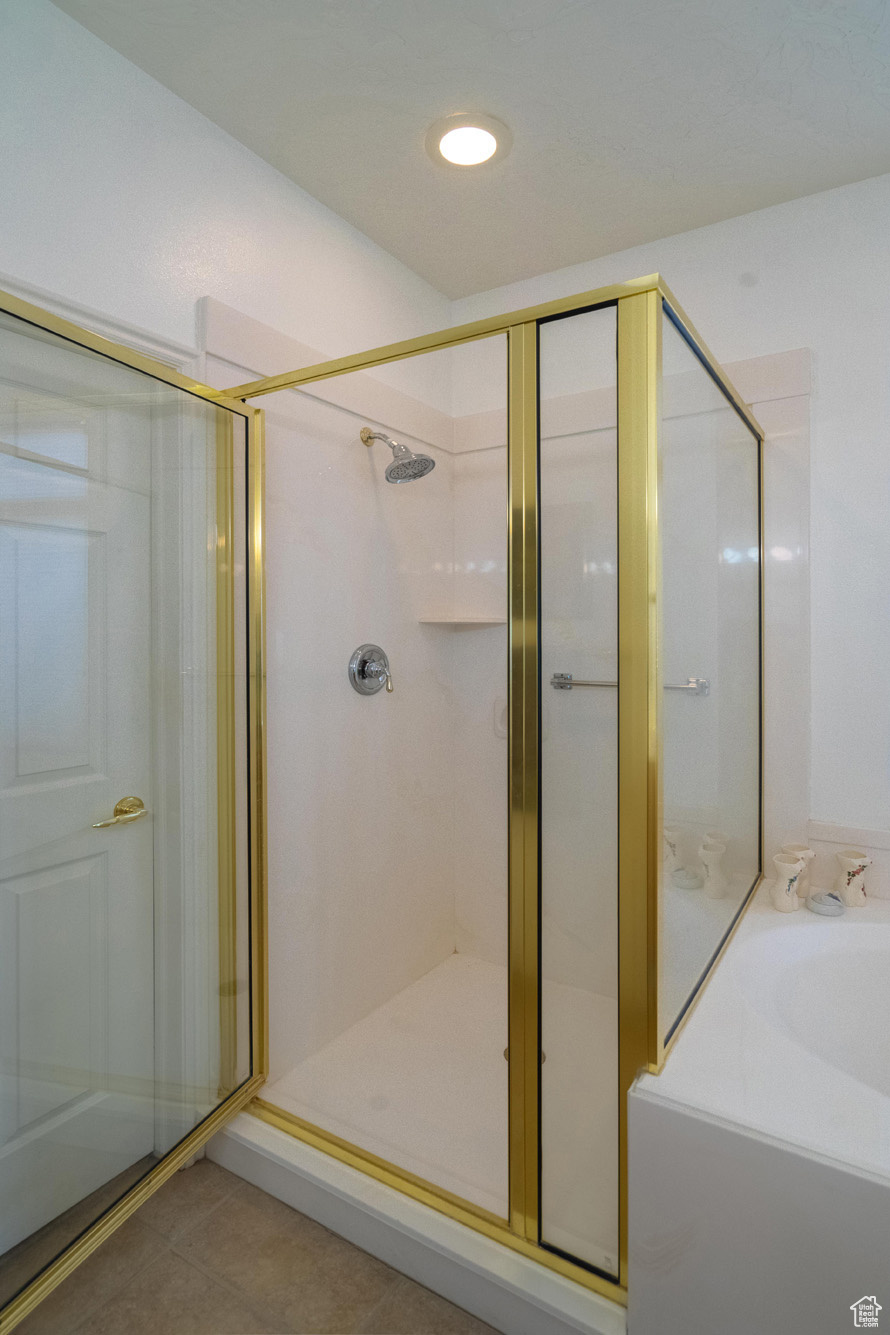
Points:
point(467, 139)
point(467, 145)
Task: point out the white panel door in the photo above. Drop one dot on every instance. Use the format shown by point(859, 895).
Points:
point(76, 903)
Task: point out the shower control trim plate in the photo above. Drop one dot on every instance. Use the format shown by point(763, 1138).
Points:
point(369, 670)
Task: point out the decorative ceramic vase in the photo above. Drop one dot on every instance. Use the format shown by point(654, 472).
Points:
point(806, 856)
point(851, 882)
point(783, 891)
point(711, 854)
point(671, 844)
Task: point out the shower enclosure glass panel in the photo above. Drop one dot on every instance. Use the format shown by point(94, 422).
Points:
point(503, 806)
point(388, 820)
point(579, 787)
point(124, 974)
point(709, 518)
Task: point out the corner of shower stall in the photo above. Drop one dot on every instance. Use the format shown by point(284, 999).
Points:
point(498, 884)
point(389, 814)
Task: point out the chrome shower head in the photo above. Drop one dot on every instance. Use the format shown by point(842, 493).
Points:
point(405, 466)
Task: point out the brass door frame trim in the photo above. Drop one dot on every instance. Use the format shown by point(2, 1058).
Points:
point(48, 1279)
point(707, 358)
point(498, 324)
point(225, 742)
point(437, 1198)
point(523, 1044)
point(383, 1170)
point(256, 720)
point(639, 732)
point(442, 338)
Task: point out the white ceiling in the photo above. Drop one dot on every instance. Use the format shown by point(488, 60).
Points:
point(632, 119)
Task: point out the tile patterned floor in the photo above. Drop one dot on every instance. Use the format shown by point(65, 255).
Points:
point(210, 1254)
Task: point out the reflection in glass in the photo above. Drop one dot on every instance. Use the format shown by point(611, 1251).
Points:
point(114, 1041)
point(710, 532)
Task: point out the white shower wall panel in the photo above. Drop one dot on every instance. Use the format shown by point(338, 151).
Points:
point(361, 784)
point(359, 787)
point(480, 692)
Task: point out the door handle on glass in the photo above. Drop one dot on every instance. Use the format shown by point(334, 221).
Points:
point(126, 811)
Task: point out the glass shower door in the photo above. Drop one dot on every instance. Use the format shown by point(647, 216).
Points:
point(124, 886)
point(579, 787)
point(388, 966)
point(76, 908)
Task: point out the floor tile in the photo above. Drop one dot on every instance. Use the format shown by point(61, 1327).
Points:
point(171, 1297)
point(410, 1309)
point(315, 1280)
point(346, 1288)
point(220, 1257)
point(187, 1198)
point(109, 1269)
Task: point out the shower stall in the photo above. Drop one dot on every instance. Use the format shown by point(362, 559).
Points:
point(495, 786)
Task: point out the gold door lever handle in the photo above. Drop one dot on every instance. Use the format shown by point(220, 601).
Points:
point(127, 810)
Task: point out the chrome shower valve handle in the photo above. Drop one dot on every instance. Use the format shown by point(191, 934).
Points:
point(381, 672)
point(369, 670)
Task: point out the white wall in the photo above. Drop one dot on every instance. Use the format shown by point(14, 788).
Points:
point(480, 659)
point(119, 196)
point(360, 792)
point(814, 273)
point(388, 816)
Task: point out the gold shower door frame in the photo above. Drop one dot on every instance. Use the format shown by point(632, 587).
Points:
point(228, 677)
point(640, 313)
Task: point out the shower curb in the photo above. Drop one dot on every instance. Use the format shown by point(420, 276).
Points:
point(509, 1291)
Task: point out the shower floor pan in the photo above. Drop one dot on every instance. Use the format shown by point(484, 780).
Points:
point(422, 1082)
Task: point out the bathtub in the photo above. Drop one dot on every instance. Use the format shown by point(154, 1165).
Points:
point(760, 1157)
point(792, 1035)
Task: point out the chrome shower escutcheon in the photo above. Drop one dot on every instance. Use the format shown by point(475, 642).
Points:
point(369, 670)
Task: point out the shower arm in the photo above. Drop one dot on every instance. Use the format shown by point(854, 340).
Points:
point(369, 436)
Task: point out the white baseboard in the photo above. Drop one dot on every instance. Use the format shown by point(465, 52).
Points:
point(848, 834)
point(509, 1291)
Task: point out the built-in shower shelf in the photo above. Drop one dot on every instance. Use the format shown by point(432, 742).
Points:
point(462, 621)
